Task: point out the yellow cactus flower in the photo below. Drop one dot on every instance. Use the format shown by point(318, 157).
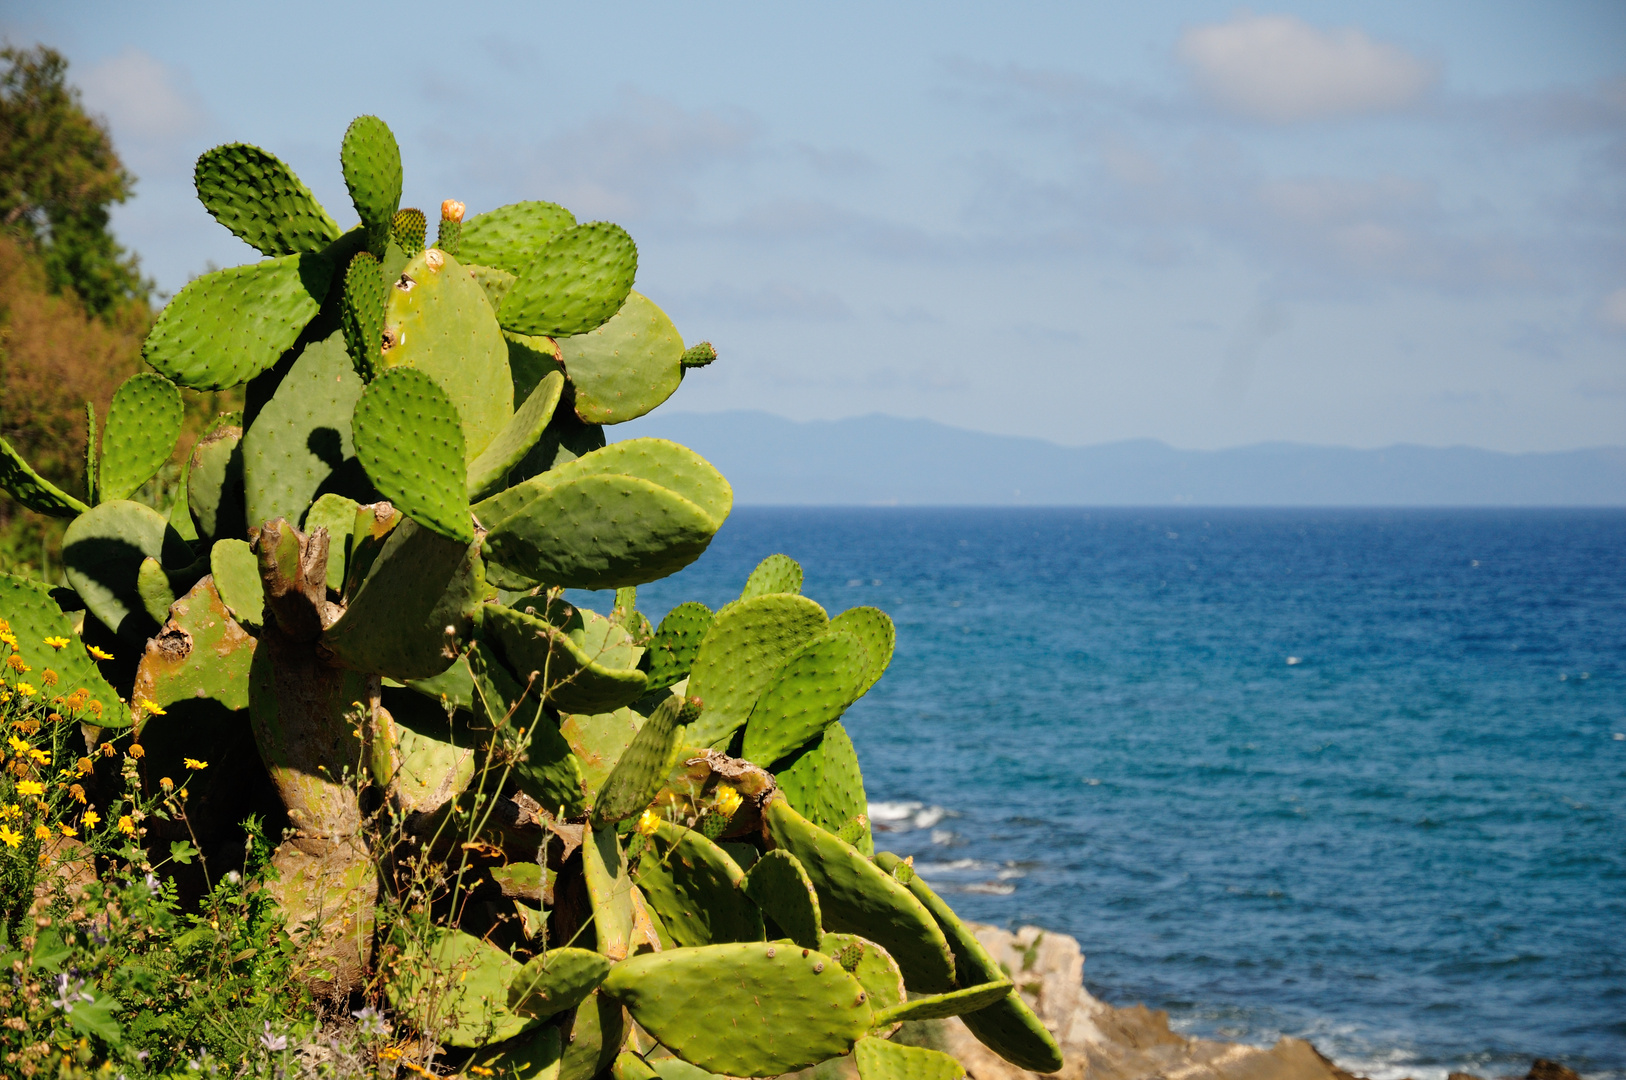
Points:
point(728, 800)
point(100, 654)
point(127, 825)
point(91, 819)
point(30, 787)
point(57, 643)
point(648, 822)
point(9, 836)
point(194, 764)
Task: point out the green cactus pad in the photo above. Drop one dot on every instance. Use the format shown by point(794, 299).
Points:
point(565, 439)
point(596, 1034)
point(629, 1066)
point(882, 1059)
point(626, 367)
point(744, 1009)
point(812, 689)
point(557, 980)
point(102, 552)
point(694, 886)
point(396, 621)
point(749, 641)
point(548, 771)
point(488, 473)
point(362, 317)
point(33, 616)
point(874, 967)
point(438, 320)
point(494, 281)
point(300, 445)
point(609, 887)
point(675, 1068)
point(1007, 1027)
point(214, 484)
point(779, 885)
point(337, 515)
point(510, 237)
point(699, 355)
point(857, 897)
point(577, 280)
point(261, 201)
point(236, 573)
point(226, 327)
point(775, 574)
point(943, 1006)
point(676, 643)
point(456, 987)
point(372, 171)
point(642, 767)
point(409, 440)
point(530, 360)
point(31, 489)
point(597, 741)
point(589, 665)
point(143, 423)
point(409, 228)
point(152, 586)
point(373, 525)
point(874, 628)
point(624, 515)
point(435, 761)
point(532, 1056)
point(840, 796)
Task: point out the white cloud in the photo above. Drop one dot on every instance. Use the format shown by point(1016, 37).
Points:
point(142, 98)
point(1280, 69)
point(1613, 309)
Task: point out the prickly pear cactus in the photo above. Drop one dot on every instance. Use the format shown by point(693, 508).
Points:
point(357, 601)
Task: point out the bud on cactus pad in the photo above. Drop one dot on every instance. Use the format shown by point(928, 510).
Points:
point(365, 570)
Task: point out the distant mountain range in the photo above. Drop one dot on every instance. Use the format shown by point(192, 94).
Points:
point(884, 460)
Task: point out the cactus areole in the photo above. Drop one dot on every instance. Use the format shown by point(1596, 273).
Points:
point(356, 602)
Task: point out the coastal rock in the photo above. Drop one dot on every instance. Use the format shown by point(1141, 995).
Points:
point(1101, 1042)
point(1542, 1069)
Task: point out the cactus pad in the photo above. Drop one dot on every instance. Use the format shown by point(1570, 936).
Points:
point(749, 641)
point(300, 444)
point(857, 897)
point(699, 355)
point(642, 767)
point(337, 515)
point(609, 887)
point(409, 440)
point(365, 292)
point(488, 473)
point(779, 885)
point(261, 201)
point(870, 964)
point(577, 280)
point(747, 1009)
point(1007, 1026)
point(694, 886)
point(236, 573)
point(226, 327)
point(589, 666)
point(557, 980)
point(152, 586)
point(214, 483)
point(418, 586)
point(438, 320)
point(456, 986)
point(775, 574)
point(31, 489)
point(33, 616)
point(102, 552)
point(533, 1055)
point(626, 367)
point(510, 237)
point(596, 1033)
point(372, 171)
point(812, 689)
point(942, 1006)
point(548, 772)
point(881, 1059)
point(143, 423)
point(409, 229)
point(676, 643)
point(874, 628)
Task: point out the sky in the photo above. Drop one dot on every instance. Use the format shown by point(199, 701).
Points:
point(1341, 224)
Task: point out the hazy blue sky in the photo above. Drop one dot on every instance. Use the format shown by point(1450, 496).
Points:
point(1331, 223)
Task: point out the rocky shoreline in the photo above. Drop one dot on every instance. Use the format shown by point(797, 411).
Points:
point(1104, 1042)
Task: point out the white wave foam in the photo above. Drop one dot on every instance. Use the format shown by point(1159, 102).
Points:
point(953, 865)
point(902, 816)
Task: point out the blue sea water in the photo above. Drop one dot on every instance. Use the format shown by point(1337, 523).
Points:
point(1355, 776)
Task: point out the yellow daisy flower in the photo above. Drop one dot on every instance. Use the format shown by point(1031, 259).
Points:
point(100, 654)
point(194, 764)
point(127, 825)
point(9, 836)
point(91, 819)
point(30, 787)
point(57, 643)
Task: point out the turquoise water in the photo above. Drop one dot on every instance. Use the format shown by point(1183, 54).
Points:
point(1356, 776)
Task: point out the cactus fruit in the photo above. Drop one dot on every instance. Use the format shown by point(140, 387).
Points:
point(355, 601)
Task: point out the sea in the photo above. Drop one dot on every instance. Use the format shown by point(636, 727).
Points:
point(1355, 776)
